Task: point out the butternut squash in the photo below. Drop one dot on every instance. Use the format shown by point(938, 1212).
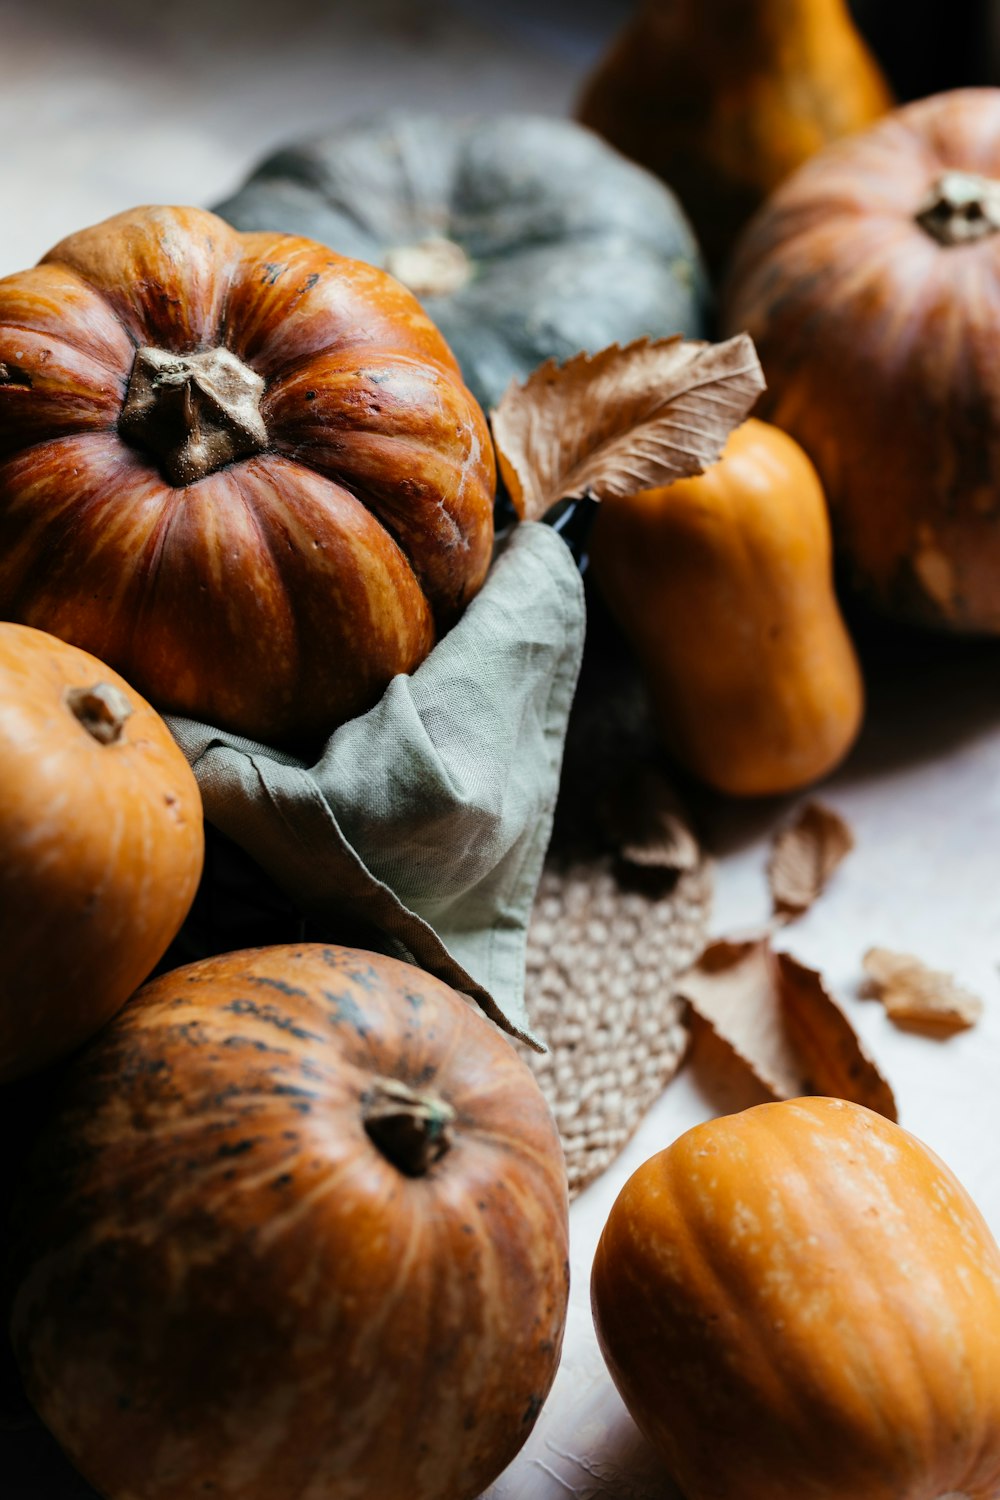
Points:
point(723, 585)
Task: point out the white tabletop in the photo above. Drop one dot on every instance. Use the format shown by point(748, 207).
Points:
point(113, 104)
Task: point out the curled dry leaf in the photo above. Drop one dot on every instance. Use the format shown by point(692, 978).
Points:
point(733, 989)
point(624, 420)
point(804, 856)
point(777, 1017)
point(647, 825)
point(915, 994)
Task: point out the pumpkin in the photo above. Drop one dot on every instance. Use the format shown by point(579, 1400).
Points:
point(724, 98)
point(524, 237)
point(723, 585)
point(801, 1302)
point(299, 1228)
point(239, 468)
point(101, 845)
point(871, 286)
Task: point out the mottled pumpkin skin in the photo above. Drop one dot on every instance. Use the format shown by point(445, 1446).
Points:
point(101, 848)
point(278, 594)
point(723, 99)
point(801, 1302)
point(225, 1288)
point(879, 343)
point(723, 585)
point(553, 243)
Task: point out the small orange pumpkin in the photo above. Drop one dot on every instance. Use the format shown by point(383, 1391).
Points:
point(239, 468)
point(723, 585)
point(299, 1228)
point(101, 845)
point(800, 1302)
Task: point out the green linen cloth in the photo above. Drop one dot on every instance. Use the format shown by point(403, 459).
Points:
point(429, 816)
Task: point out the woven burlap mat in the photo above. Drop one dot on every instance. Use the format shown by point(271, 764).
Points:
point(607, 939)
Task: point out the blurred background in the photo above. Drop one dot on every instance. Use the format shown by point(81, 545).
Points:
point(116, 102)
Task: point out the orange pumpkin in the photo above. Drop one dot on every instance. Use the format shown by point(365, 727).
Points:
point(238, 467)
point(800, 1302)
point(300, 1229)
point(871, 286)
point(101, 845)
point(724, 98)
point(723, 585)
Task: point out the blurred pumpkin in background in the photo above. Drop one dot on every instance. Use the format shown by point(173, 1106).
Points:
point(525, 238)
point(723, 99)
point(870, 284)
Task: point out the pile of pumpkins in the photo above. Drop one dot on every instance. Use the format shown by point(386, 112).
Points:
point(297, 1220)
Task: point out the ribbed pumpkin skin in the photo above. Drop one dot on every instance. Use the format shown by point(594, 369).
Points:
point(277, 595)
point(101, 848)
point(800, 1302)
point(562, 244)
point(723, 585)
point(878, 344)
point(227, 1289)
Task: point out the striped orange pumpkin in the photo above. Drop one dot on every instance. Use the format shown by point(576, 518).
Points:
point(801, 1302)
point(299, 1229)
point(239, 468)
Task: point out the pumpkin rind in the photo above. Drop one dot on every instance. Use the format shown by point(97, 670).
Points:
point(101, 846)
point(225, 1287)
point(800, 1302)
point(278, 592)
point(878, 345)
point(723, 99)
point(525, 238)
point(723, 585)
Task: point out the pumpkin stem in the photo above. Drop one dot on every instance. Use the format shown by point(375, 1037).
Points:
point(961, 207)
point(434, 267)
point(411, 1130)
point(101, 709)
point(194, 413)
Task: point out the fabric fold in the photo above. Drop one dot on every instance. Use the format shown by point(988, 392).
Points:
point(429, 816)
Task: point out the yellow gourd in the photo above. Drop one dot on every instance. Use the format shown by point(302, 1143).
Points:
point(801, 1302)
point(723, 585)
point(725, 98)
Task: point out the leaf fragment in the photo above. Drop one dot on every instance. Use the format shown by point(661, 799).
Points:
point(803, 857)
point(732, 987)
point(777, 1017)
point(623, 420)
point(833, 1059)
point(913, 993)
point(647, 825)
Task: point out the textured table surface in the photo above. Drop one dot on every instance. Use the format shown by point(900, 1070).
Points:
point(112, 104)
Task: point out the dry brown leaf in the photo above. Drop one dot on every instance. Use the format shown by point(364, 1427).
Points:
point(913, 993)
point(622, 420)
point(833, 1060)
point(804, 856)
point(777, 1017)
point(732, 987)
point(647, 825)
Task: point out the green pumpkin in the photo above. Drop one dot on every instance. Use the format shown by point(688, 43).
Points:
point(524, 237)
